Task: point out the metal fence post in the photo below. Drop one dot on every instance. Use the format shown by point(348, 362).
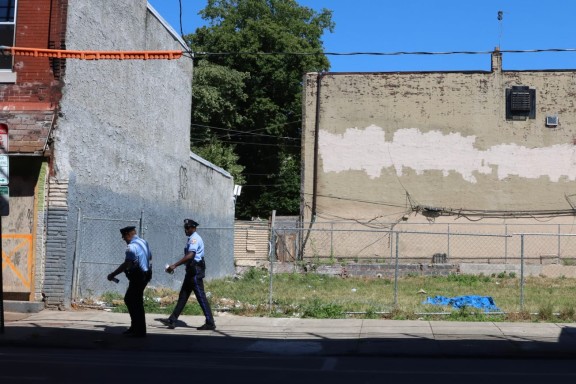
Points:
point(396, 272)
point(141, 229)
point(391, 246)
point(448, 250)
point(506, 244)
point(271, 254)
point(331, 240)
point(76, 260)
point(521, 272)
point(559, 242)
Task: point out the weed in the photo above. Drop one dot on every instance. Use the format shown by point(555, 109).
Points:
point(467, 314)
point(371, 314)
point(567, 261)
point(467, 280)
point(504, 275)
point(398, 314)
point(545, 313)
point(518, 316)
point(254, 274)
point(318, 310)
point(111, 297)
point(568, 314)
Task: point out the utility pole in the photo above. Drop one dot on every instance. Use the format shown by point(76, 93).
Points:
point(500, 17)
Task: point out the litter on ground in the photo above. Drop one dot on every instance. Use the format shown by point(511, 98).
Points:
point(485, 303)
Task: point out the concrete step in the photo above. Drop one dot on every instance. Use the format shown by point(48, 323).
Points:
point(23, 306)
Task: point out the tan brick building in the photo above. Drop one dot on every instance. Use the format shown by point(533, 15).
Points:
point(386, 145)
point(415, 147)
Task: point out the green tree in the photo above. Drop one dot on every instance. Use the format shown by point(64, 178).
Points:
point(223, 156)
point(216, 94)
point(258, 39)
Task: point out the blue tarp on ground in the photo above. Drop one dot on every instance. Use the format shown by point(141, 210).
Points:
point(481, 302)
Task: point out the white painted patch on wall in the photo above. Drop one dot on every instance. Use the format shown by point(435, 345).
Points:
point(367, 150)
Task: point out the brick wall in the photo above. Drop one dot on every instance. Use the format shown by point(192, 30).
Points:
point(39, 24)
point(28, 106)
point(29, 130)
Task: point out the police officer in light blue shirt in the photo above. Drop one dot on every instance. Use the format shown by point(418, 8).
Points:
point(195, 244)
point(138, 253)
point(137, 266)
point(193, 280)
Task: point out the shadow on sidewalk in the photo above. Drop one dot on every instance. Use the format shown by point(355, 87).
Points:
point(270, 342)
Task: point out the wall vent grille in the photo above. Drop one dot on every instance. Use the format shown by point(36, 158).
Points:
point(551, 121)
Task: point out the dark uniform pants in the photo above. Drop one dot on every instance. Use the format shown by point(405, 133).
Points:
point(194, 282)
point(134, 300)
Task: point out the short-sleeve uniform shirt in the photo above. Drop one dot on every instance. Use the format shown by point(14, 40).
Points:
point(138, 253)
point(195, 244)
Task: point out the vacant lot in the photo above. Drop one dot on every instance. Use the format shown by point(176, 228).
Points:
point(321, 296)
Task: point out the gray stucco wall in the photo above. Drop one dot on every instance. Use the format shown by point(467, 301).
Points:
point(438, 139)
point(122, 142)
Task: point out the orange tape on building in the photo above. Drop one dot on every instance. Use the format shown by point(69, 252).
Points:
point(25, 277)
point(91, 55)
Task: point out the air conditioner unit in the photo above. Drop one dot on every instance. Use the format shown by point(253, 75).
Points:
point(551, 121)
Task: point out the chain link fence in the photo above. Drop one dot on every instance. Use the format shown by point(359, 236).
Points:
point(521, 269)
point(377, 267)
point(100, 250)
point(547, 271)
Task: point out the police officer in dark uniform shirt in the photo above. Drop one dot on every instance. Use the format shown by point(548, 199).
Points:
point(138, 269)
point(194, 279)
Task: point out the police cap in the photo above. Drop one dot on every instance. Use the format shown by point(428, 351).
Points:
point(190, 223)
point(127, 230)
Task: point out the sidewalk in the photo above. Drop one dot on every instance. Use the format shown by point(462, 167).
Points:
point(97, 329)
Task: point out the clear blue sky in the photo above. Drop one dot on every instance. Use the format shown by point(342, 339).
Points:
point(430, 25)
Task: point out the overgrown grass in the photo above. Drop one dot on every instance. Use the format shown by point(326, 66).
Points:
point(314, 295)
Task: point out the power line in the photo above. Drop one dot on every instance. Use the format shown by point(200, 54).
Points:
point(244, 132)
point(359, 200)
point(245, 143)
point(398, 53)
point(255, 174)
point(258, 129)
point(262, 185)
point(181, 30)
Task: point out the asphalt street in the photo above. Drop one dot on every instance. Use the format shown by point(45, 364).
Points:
point(49, 365)
point(88, 347)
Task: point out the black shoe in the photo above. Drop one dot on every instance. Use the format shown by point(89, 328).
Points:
point(207, 327)
point(167, 322)
point(128, 331)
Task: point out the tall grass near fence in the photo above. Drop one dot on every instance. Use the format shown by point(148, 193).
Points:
point(322, 296)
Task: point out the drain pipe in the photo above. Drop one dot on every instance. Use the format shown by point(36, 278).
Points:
point(315, 174)
point(316, 139)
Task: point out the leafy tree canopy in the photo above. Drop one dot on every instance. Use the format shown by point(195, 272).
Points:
point(248, 86)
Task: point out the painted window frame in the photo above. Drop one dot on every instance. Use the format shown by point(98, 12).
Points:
point(7, 74)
